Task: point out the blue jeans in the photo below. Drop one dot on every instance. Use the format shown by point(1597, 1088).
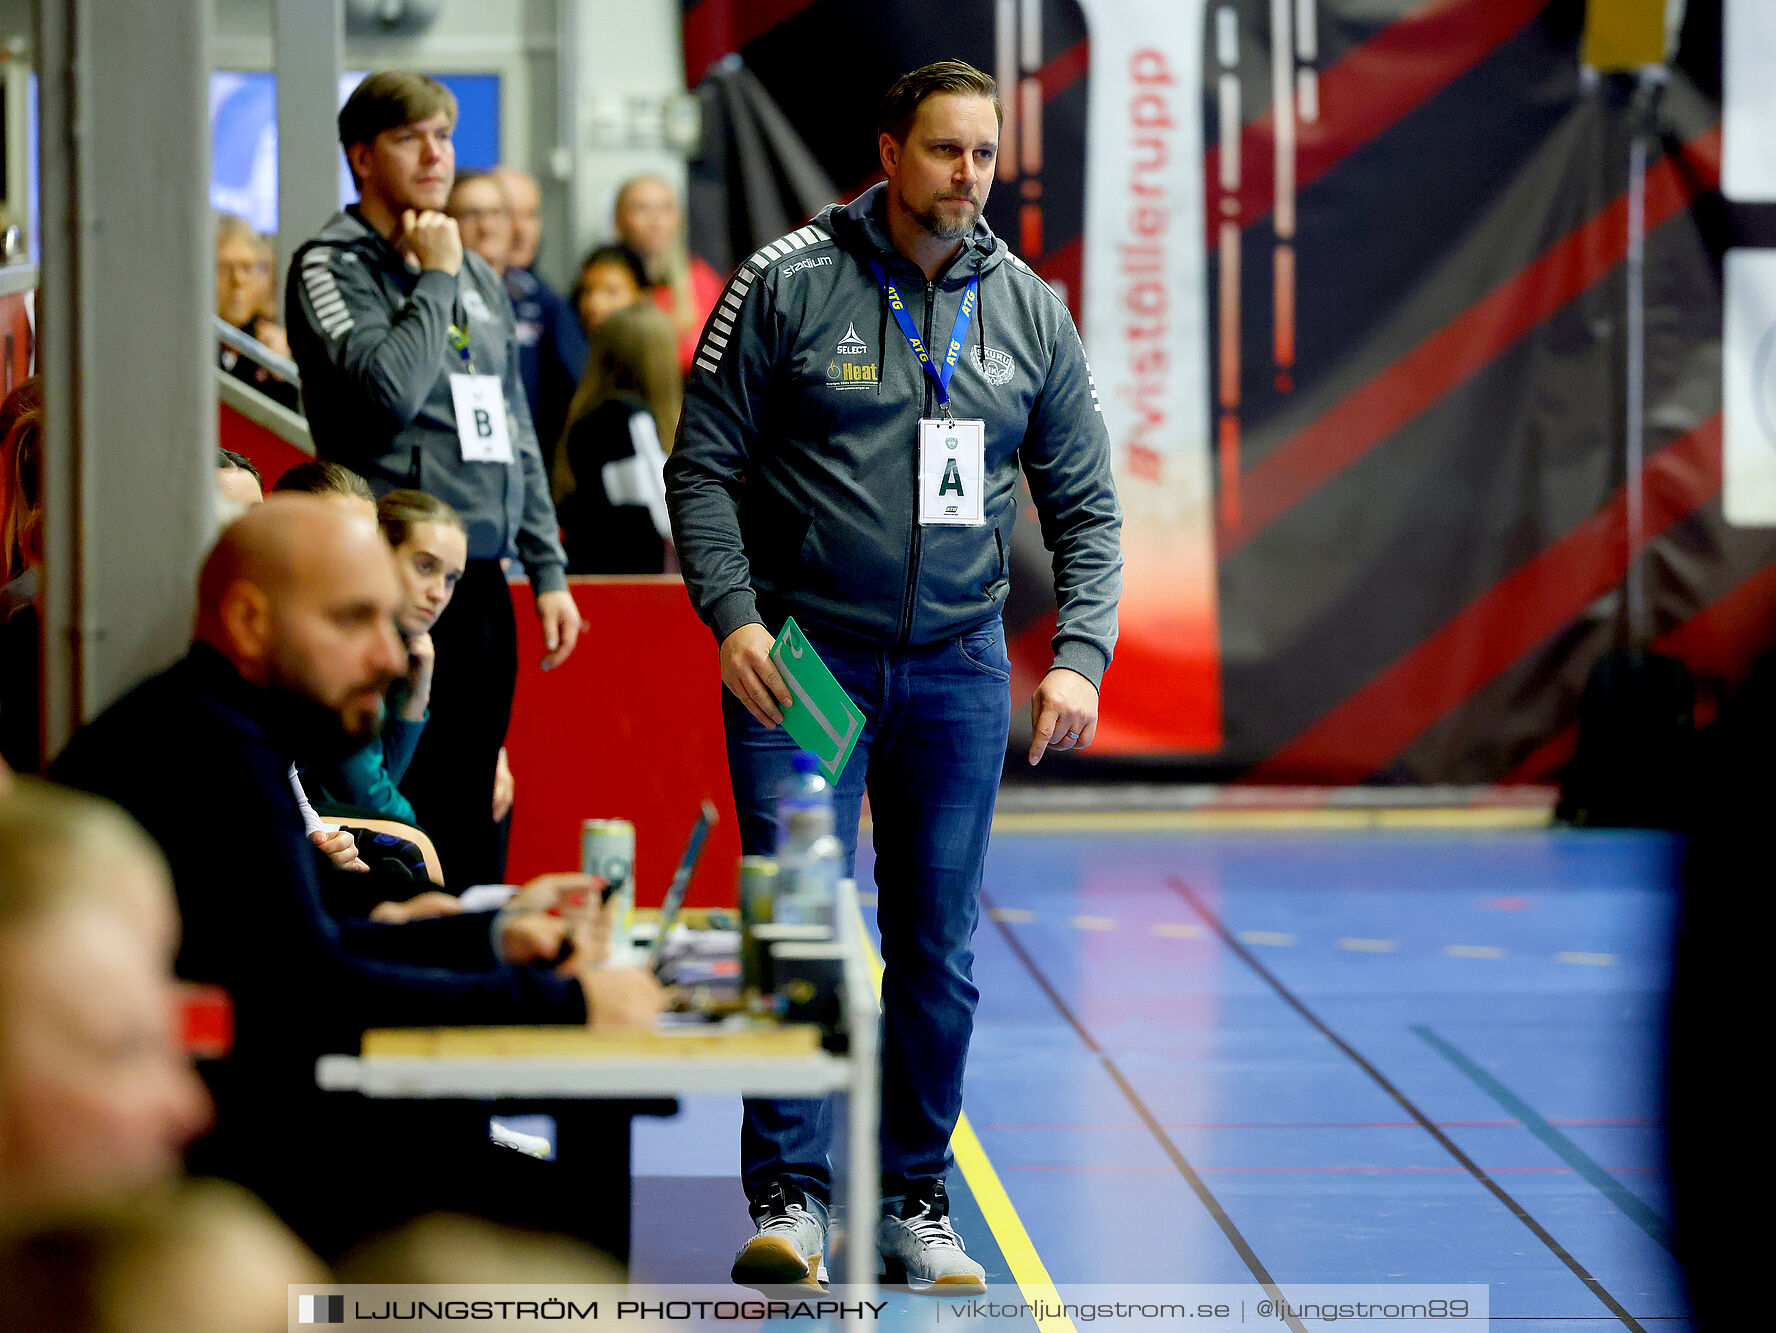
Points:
point(933, 745)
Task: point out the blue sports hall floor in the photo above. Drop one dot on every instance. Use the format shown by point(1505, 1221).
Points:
point(1377, 1055)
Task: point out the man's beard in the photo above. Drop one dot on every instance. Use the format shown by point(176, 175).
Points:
point(951, 227)
point(310, 731)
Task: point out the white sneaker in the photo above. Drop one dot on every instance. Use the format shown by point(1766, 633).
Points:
point(922, 1249)
point(790, 1247)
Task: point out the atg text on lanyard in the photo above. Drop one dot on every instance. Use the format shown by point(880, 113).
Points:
point(952, 452)
point(940, 372)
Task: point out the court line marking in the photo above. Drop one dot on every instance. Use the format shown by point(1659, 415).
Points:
point(1605, 1122)
point(1267, 821)
point(1405, 1103)
point(1213, 1205)
point(1338, 1170)
point(1359, 944)
point(1027, 1268)
point(1599, 1178)
point(1283, 939)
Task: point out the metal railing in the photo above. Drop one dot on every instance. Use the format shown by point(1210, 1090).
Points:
point(288, 426)
point(257, 352)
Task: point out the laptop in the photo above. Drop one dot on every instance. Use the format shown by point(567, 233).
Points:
point(681, 883)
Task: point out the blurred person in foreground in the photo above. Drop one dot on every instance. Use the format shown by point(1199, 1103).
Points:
point(96, 1095)
point(409, 360)
point(651, 223)
point(609, 488)
point(199, 1257)
point(295, 645)
point(551, 347)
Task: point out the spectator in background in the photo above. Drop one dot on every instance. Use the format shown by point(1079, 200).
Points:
point(96, 1095)
point(245, 298)
point(21, 556)
point(389, 322)
point(609, 489)
point(551, 348)
point(21, 428)
point(650, 222)
point(612, 278)
point(241, 484)
point(483, 217)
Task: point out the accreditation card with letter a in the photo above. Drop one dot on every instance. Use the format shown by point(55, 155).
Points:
point(952, 472)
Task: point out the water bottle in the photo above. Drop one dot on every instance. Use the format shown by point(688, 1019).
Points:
point(809, 858)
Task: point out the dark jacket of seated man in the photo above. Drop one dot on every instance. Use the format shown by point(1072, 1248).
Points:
point(201, 758)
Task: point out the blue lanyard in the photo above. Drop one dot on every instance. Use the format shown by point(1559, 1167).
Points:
point(940, 372)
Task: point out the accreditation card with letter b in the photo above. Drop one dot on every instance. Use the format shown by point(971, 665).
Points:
point(481, 425)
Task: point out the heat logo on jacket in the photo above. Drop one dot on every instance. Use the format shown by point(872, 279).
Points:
point(844, 373)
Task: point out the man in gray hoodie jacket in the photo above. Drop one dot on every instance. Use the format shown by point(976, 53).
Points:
point(863, 397)
point(409, 359)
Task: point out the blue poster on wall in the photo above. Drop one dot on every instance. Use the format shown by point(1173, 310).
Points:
point(243, 137)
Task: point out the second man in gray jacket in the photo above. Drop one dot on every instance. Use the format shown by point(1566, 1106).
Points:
point(410, 378)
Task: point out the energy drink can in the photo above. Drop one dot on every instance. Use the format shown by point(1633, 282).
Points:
point(607, 849)
point(758, 903)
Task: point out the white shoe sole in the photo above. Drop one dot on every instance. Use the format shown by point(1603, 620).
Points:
point(951, 1284)
point(771, 1261)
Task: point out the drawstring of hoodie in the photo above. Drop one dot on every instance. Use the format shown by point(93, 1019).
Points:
point(881, 335)
point(980, 317)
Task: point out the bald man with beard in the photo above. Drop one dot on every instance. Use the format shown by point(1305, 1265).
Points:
point(295, 644)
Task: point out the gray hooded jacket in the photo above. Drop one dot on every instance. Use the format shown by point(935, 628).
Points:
point(371, 337)
point(793, 484)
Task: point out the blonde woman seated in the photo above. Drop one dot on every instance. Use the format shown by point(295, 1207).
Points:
point(431, 551)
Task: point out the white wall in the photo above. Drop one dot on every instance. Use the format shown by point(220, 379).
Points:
point(565, 65)
point(622, 49)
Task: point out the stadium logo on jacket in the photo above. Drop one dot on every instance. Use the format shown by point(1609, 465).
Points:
point(995, 366)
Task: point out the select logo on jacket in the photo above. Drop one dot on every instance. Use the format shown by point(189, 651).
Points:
point(320, 1309)
point(844, 373)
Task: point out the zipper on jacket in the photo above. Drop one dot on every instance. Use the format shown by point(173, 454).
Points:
point(915, 543)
